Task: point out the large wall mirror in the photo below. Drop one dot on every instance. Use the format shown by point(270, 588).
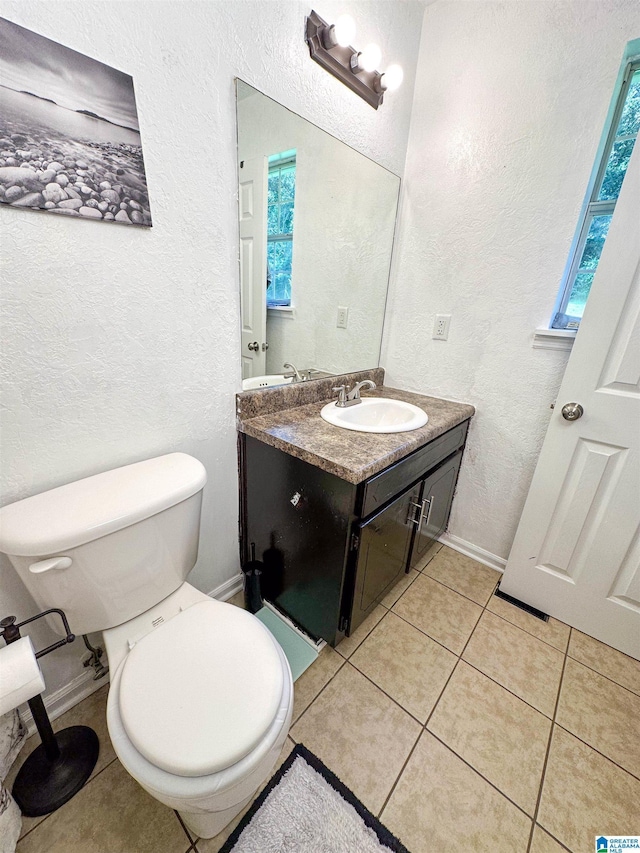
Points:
point(317, 221)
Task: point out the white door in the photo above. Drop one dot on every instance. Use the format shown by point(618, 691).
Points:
point(253, 265)
point(576, 554)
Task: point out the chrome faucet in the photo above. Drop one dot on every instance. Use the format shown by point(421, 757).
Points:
point(351, 398)
point(294, 376)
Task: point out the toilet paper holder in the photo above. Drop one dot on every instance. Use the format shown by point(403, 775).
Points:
point(11, 632)
point(58, 768)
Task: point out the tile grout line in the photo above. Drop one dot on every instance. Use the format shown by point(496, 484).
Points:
point(485, 608)
point(457, 591)
point(548, 752)
point(453, 589)
point(388, 695)
point(438, 643)
point(597, 671)
point(424, 727)
point(478, 773)
point(86, 785)
point(482, 672)
point(597, 751)
point(453, 752)
point(315, 698)
point(422, 631)
point(192, 841)
point(397, 779)
point(508, 621)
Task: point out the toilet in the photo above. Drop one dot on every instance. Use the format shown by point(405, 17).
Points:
point(201, 694)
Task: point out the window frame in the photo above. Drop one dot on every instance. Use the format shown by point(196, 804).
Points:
point(591, 207)
point(276, 163)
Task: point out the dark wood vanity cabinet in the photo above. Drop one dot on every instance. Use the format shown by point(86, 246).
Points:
point(331, 549)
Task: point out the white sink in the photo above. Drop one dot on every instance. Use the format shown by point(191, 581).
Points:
point(266, 381)
point(376, 414)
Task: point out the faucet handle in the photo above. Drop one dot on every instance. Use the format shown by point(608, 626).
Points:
point(342, 395)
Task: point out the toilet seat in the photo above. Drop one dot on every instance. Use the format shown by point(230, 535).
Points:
point(200, 692)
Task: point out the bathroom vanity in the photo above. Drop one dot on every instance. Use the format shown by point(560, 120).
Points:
point(337, 516)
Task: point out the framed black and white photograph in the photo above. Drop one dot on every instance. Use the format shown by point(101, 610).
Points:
point(69, 133)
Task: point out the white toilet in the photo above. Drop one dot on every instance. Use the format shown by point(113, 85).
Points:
point(201, 694)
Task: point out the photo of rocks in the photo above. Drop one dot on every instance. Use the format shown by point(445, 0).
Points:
point(69, 134)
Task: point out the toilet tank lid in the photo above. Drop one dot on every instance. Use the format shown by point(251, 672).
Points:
point(89, 509)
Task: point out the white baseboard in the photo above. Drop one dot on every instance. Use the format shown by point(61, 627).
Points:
point(473, 551)
point(227, 589)
point(64, 698)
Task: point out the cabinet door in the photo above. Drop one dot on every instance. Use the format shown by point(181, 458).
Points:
point(435, 499)
point(383, 553)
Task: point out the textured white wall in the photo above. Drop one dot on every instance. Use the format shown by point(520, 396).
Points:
point(122, 343)
point(345, 213)
point(509, 105)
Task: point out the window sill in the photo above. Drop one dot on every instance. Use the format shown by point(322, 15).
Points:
point(558, 339)
point(286, 312)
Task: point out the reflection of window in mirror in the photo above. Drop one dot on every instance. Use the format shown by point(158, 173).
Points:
point(281, 197)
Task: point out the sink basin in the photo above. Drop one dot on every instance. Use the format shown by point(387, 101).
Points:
point(267, 381)
point(376, 414)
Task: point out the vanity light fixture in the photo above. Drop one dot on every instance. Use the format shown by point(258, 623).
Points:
point(329, 45)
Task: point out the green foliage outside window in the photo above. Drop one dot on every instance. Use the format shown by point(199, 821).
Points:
point(280, 210)
point(594, 227)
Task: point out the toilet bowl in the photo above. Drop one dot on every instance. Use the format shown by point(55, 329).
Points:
point(190, 741)
point(201, 694)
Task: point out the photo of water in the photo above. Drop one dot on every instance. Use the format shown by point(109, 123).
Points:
point(69, 133)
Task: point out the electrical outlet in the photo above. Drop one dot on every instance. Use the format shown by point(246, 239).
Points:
point(441, 327)
point(343, 317)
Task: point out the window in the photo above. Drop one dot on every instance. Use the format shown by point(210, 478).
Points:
point(607, 177)
point(280, 205)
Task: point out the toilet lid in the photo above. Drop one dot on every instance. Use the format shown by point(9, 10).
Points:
point(199, 692)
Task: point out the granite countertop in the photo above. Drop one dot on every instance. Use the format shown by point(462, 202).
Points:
point(352, 456)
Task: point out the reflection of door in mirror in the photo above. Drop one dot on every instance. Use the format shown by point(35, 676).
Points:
point(253, 264)
point(316, 232)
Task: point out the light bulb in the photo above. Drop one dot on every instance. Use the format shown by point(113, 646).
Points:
point(392, 78)
point(344, 30)
point(370, 57)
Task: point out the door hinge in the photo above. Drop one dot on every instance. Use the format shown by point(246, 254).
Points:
point(343, 624)
point(355, 542)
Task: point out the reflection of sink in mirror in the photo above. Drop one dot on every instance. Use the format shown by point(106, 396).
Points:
point(267, 381)
point(376, 414)
point(316, 232)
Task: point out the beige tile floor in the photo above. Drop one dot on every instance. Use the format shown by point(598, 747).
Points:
point(463, 722)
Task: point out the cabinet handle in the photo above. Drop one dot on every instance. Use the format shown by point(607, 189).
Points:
point(428, 518)
point(414, 520)
point(425, 503)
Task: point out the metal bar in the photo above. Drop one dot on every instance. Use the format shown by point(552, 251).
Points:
point(43, 724)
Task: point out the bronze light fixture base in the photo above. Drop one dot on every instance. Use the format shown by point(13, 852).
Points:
point(337, 61)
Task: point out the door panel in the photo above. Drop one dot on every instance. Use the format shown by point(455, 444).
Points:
point(576, 553)
point(435, 502)
point(253, 264)
point(382, 554)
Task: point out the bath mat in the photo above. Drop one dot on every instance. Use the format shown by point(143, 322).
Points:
point(305, 808)
point(300, 653)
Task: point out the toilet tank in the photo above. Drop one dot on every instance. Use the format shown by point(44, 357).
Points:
point(106, 548)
